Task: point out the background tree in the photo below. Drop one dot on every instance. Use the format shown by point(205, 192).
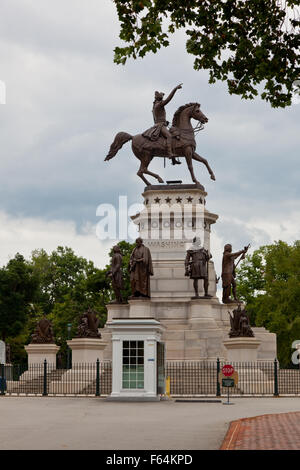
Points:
point(269, 283)
point(67, 288)
point(245, 43)
point(17, 289)
point(18, 286)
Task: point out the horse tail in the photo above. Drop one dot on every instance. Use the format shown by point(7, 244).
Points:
point(120, 139)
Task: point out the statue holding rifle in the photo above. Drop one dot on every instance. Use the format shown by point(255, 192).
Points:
point(228, 272)
point(196, 266)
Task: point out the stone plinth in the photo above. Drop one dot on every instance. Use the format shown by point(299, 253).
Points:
point(140, 308)
point(115, 310)
point(86, 350)
point(37, 353)
point(241, 349)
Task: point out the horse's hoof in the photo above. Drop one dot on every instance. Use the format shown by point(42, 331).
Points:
point(160, 180)
point(213, 177)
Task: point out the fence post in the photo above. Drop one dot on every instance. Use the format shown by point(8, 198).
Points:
point(276, 393)
point(2, 388)
point(218, 382)
point(45, 392)
point(98, 378)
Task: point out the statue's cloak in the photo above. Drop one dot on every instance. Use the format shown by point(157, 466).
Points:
point(141, 271)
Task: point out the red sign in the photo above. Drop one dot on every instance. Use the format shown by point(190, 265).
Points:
point(227, 370)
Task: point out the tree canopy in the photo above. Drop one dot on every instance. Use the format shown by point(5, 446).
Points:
point(269, 283)
point(18, 286)
point(245, 43)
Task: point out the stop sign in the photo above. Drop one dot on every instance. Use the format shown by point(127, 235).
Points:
point(227, 370)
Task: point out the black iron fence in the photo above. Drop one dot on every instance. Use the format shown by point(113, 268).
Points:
point(202, 378)
point(187, 378)
point(90, 379)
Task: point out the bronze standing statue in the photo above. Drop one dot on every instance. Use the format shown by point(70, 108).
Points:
point(141, 269)
point(115, 274)
point(156, 141)
point(228, 272)
point(196, 266)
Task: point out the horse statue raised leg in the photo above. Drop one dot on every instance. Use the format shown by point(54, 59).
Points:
point(183, 143)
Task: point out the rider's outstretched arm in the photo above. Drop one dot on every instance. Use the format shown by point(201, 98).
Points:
point(168, 99)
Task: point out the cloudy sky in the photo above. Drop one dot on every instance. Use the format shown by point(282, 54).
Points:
point(65, 102)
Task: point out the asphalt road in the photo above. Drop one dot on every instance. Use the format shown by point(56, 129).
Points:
point(90, 423)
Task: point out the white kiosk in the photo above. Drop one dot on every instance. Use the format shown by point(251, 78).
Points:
point(137, 359)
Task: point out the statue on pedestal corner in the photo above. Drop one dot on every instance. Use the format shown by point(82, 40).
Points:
point(240, 324)
point(228, 272)
point(43, 333)
point(196, 266)
point(140, 267)
point(88, 325)
point(115, 274)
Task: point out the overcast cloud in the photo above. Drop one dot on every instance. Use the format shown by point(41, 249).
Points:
point(66, 100)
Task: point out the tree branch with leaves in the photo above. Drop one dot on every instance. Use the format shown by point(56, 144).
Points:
point(253, 45)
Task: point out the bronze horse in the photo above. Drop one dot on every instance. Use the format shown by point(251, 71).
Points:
point(183, 143)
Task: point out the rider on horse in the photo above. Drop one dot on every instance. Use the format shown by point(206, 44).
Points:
point(160, 127)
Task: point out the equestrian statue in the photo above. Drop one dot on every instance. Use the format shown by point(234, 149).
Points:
point(159, 141)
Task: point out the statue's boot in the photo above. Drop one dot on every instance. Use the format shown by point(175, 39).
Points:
point(170, 152)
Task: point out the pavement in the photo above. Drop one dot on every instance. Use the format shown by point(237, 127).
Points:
point(266, 432)
point(52, 423)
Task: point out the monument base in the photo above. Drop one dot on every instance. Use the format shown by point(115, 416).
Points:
point(38, 353)
point(194, 329)
point(241, 349)
point(86, 350)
